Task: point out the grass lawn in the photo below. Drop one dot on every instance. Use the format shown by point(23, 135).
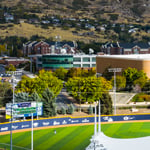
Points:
point(73, 138)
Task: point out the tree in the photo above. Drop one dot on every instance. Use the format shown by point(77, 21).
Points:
point(26, 85)
point(60, 73)
point(10, 67)
point(120, 82)
point(140, 81)
point(2, 49)
point(35, 97)
point(70, 109)
point(22, 97)
point(146, 87)
point(83, 72)
point(44, 80)
point(132, 74)
point(87, 89)
point(6, 93)
point(90, 110)
point(106, 74)
point(106, 104)
point(48, 99)
point(72, 72)
point(63, 110)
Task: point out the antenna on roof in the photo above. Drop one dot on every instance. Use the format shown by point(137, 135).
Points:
point(91, 51)
point(57, 43)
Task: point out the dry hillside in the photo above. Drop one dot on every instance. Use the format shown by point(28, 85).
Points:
point(82, 8)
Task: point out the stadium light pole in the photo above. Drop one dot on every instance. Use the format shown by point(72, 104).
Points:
point(13, 101)
point(114, 70)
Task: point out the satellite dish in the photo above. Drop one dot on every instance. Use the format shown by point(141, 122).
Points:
point(91, 51)
point(63, 51)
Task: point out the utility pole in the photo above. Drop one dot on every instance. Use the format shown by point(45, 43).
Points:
point(114, 89)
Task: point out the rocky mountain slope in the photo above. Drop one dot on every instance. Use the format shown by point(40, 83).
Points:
point(125, 9)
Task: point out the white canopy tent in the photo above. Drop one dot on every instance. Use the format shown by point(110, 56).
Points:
point(103, 142)
point(99, 141)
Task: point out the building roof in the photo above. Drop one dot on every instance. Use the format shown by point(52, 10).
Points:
point(131, 45)
point(17, 59)
point(127, 45)
point(130, 57)
point(71, 44)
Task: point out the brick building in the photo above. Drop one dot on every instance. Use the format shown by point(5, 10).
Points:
point(126, 48)
point(42, 47)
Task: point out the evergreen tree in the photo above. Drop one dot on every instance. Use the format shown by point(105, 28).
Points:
point(71, 109)
point(48, 103)
point(90, 110)
point(21, 97)
point(106, 104)
point(63, 110)
point(35, 97)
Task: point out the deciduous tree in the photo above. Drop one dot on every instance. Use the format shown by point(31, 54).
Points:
point(120, 82)
point(132, 74)
point(44, 80)
point(87, 89)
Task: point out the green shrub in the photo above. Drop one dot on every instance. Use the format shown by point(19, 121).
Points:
point(141, 97)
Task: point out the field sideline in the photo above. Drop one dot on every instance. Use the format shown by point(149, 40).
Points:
point(73, 137)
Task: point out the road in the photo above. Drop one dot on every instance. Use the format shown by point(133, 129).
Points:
point(63, 99)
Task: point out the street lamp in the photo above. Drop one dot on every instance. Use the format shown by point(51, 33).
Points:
point(114, 70)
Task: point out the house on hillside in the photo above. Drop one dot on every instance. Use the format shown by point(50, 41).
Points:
point(8, 17)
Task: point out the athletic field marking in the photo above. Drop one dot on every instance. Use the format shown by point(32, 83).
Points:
point(15, 146)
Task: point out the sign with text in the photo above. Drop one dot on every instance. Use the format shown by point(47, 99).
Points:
point(24, 109)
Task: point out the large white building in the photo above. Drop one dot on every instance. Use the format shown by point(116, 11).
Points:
point(54, 61)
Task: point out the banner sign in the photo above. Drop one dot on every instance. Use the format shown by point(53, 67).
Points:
point(69, 120)
point(24, 109)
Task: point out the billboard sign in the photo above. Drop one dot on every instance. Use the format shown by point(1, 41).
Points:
point(24, 109)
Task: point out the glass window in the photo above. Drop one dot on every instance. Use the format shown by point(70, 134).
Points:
point(39, 65)
point(77, 65)
point(93, 65)
point(86, 59)
point(86, 65)
point(77, 59)
point(39, 59)
point(136, 51)
point(94, 59)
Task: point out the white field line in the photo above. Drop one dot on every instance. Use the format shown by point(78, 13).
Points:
point(15, 146)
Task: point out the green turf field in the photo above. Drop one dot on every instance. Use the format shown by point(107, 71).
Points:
point(73, 138)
